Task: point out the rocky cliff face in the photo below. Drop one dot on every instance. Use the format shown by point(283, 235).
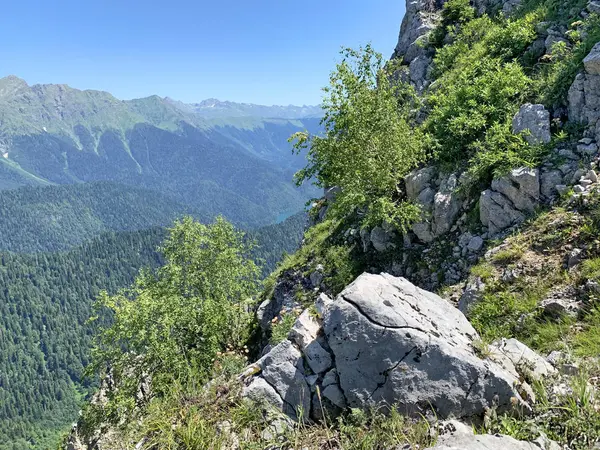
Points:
point(385, 341)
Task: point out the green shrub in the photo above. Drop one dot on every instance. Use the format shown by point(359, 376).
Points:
point(368, 144)
point(171, 325)
point(342, 266)
point(480, 85)
point(556, 78)
point(454, 13)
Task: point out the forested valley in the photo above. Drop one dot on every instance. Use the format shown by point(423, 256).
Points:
point(46, 302)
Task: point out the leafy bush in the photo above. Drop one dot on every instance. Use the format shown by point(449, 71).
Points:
point(556, 78)
point(478, 91)
point(454, 13)
point(171, 325)
point(368, 145)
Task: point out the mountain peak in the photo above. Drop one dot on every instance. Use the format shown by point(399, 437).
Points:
point(11, 84)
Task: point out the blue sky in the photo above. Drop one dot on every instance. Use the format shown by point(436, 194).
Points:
point(260, 51)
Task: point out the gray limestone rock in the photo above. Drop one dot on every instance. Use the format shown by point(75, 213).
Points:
point(417, 180)
point(446, 206)
point(316, 278)
point(524, 360)
point(304, 333)
point(282, 369)
point(260, 391)
point(330, 377)
point(522, 187)
point(420, 19)
point(335, 395)
point(283, 299)
point(591, 63)
point(305, 330)
point(483, 441)
point(423, 231)
point(536, 120)
point(472, 295)
point(558, 307)
point(584, 94)
point(426, 198)
point(383, 238)
point(549, 181)
point(575, 257)
point(497, 212)
point(395, 344)
point(594, 7)
point(419, 72)
point(475, 244)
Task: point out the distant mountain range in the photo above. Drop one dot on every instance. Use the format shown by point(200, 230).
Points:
point(213, 108)
point(214, 157)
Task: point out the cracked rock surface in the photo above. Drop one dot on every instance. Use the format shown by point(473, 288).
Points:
point(395, 344)
point(382, 342)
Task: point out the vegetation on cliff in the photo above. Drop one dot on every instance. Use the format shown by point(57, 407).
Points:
point(378, 128)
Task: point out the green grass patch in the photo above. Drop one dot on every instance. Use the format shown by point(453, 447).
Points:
point(281, 328)
point(587, 342)
point(509, 255)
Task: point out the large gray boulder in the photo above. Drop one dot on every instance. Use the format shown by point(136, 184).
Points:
point(534, 120)
point(395, 344)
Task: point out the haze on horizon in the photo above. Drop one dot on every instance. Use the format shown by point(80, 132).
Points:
point(265, 52)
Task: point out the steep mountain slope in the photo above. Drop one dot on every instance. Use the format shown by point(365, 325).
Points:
point(56, 134)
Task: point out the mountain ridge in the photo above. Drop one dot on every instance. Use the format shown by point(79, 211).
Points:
point(241, 167)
